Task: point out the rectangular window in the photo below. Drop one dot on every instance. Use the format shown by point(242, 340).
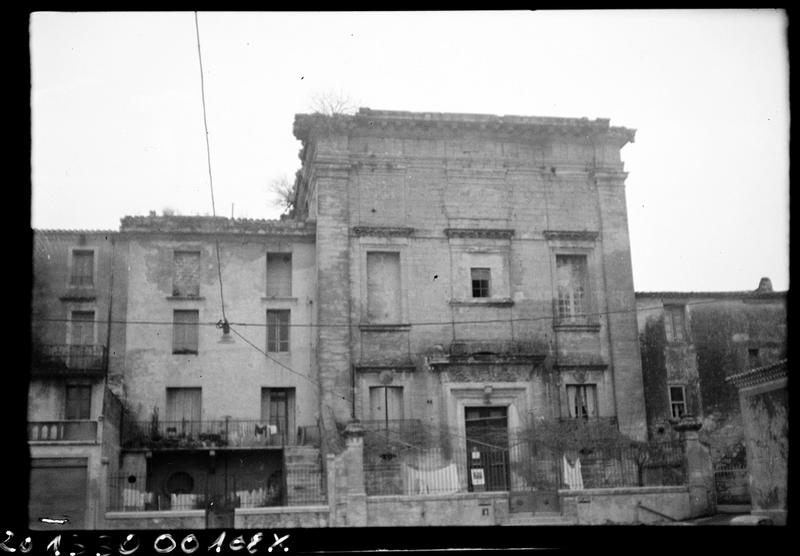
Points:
point(572, 282)
point(78, 402)
point(81, 328)
point(675, 323)
point(277, 410)
point(677, 401)
point(185, 331)
point(184, 412)
point(383, 287)
point(582, 400)
point(278, 330)
point(82, 268)
point(186, 274)
point(386, 403)
point(480, 281)
point(279, 274)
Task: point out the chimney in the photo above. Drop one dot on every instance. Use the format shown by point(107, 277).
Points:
point(764, 286)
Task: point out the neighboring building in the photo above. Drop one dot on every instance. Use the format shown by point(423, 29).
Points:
point(73, 418)
point(212, 422)
point(473, 272)
point(764, 399)
point(691, 342)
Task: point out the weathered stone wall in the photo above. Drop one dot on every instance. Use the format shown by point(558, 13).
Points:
point(620, 506)
point(423, 182)
point(720, 330)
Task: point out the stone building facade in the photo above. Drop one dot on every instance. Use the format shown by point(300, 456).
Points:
point(472, 265)
point(73, 416)
point(691, 342)
point(450, 271)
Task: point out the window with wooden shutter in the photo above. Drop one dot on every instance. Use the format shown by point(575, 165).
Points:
point(278, 330)
point(82, 268)
point(78, 402)
point(185, 331)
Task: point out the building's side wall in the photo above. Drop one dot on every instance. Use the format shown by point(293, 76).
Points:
point(719, 333)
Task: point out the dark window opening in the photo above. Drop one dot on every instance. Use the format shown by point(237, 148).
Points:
point(480, 281)
point(677, 401)
point(278, 330)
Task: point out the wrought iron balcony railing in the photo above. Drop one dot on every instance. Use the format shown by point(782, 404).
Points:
point(231, 433)
point(58, 431)
point(68, 360)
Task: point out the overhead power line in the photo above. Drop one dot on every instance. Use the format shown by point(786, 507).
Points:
point(345, 325)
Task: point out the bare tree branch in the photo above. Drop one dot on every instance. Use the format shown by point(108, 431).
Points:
point(281, 193)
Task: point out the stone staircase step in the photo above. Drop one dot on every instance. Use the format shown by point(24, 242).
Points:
point(538, 518)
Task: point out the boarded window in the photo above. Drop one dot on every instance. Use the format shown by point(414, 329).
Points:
point(386, 403)
point(383, 287)
point(279, 274)
point(675, 324)
point(480, 281)
point(572, 281)
point(582, 400)
point(185, 331)
point(82, 268)
point(677, 401)
point(78, 402)
point(278, 330)
point(183, 404)
point(277, 409)
point(186, 276)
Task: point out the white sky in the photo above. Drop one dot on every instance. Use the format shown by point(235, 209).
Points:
point(117, 123)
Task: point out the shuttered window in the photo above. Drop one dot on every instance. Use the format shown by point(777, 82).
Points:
point(279, 274)
point(185, 331)
point(383, 287)
point(78, 402)
point(386, 403)
point(278, 330)
point(82, 268)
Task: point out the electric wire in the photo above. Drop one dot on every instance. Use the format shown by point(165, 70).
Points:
point(342, 325)
point(208, 159)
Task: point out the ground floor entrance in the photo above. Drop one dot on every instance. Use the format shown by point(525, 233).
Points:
point(487, 448)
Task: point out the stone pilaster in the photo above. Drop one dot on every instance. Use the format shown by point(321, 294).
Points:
point(699, 468)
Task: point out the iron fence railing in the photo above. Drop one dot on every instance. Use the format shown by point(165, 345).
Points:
point(68, 360)
point(298, 486)
point(77, 430)
point(521, 466)
point(732, 484)
point(214, 433)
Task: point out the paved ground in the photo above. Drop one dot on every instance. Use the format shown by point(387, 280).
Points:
point(718, 519)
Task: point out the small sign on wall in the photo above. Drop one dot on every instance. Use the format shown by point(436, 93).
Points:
point(477, 476)
point(476, 454)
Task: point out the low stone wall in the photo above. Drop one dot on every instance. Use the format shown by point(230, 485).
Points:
point(603, 506)
point(190, 519)
point(465, 509)
point(282, 518)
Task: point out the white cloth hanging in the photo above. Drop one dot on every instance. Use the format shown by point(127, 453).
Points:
point(572, 474)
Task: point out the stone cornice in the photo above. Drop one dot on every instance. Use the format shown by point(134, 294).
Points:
point(383, 231)
point(570, 235)
point(760, 375)
point(483, 233)
point(385, 121)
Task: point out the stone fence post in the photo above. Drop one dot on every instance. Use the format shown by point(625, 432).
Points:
point(699, 468)
point(356, 497)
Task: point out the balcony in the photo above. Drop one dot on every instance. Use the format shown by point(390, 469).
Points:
point(62, 431)
point(68, 361)
point(222, 433)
